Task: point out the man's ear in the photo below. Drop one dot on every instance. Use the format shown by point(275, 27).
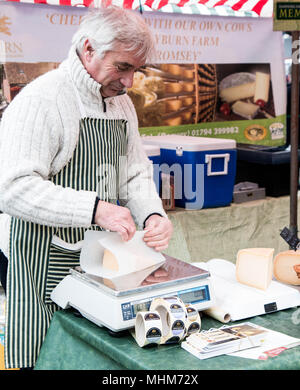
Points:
point(88, 50)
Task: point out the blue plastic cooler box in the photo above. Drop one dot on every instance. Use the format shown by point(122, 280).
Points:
point(153, 153)
point(203, 168)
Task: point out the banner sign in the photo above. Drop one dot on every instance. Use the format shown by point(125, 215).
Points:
point(286, 15)
point(211, 76)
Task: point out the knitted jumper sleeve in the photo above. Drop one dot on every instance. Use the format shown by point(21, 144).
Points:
point(30, 138)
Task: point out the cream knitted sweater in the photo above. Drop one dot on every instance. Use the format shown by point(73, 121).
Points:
point(38, 134)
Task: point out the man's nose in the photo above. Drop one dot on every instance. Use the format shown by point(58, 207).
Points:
point(127, 79)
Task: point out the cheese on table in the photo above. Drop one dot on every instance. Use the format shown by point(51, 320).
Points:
point(244, 109)
point(242, 91)
point(254, 267)
point(110, 261)
point(284, 263)
point(262, 84)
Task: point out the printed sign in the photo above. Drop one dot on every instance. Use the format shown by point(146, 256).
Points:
point(286, 15)
point(211, 76)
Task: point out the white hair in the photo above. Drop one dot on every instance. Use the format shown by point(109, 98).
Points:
point(106, 27)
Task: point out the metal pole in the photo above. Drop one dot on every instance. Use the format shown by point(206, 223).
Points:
point(294, 166)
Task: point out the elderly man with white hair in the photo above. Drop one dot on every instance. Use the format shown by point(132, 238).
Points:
point(71, 159)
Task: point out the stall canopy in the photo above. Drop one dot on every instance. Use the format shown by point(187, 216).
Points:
point(247, 8)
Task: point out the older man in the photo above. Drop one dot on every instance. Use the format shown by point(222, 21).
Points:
point(65, 142)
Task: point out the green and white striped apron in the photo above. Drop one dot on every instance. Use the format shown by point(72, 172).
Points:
point(36, 264)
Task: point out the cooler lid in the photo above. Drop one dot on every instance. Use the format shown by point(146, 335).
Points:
point(151, 150)
point(189, 143)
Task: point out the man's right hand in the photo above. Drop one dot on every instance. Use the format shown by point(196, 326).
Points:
point(116, 219)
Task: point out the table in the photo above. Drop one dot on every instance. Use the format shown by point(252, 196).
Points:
point(74, 343)
point(200, 235)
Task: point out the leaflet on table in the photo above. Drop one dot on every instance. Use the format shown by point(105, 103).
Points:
point(272, 345)
point(224, 340)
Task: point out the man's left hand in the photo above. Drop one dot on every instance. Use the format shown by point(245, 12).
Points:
point(158, 232)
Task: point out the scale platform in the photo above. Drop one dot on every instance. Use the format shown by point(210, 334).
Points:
point(117, 310)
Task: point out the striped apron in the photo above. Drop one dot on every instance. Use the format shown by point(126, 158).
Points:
point(36, 262)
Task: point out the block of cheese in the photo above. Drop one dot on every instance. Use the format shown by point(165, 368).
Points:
point(254, 267)
point(244, 109)
point(242, 91)
point(284, 267)
point(262, 84)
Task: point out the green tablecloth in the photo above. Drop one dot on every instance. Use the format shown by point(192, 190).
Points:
point(74, 343)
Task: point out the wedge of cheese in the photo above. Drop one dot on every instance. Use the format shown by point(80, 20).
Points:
point(262, 85)
point(284, 263)
point(254, 267)
point(244, 109)
point(110, 261)
point(242, 91)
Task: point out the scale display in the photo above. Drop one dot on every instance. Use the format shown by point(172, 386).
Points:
point(193, 295)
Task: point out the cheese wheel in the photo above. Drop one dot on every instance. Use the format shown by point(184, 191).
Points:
point(171, 68)
point(173, 105)
point(284, 270)
point(173, 121)
point(188, 87)
point(110, 261)
point(188, 73)
point(186, 116)
point(237, 92)
point(254, 267)
point(187, 101)
point(172, 87)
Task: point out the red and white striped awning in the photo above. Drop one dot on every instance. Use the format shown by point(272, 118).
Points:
point(246, 8)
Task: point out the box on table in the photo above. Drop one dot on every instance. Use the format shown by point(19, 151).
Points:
point(247, 191)
point(203, 168)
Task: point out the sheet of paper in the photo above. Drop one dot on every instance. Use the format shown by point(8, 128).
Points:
point(272, 340)
point(133, 255)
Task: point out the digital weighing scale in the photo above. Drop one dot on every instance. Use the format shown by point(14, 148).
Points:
point(117, 310)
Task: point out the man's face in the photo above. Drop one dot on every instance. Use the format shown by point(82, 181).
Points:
point(114, 71)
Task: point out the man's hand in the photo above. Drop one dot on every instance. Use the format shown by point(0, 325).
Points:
point(158, 232)
point(116, 219)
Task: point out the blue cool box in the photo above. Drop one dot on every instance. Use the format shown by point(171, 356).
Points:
point(203, 168)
